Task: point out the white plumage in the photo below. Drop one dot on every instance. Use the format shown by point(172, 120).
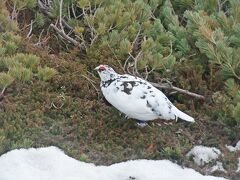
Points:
point(137, 98)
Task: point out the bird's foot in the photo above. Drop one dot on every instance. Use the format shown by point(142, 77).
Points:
point(141, 123)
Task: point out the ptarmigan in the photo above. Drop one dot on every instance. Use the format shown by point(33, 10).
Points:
point(137, 98)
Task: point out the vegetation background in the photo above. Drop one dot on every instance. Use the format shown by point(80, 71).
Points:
point(50, 94)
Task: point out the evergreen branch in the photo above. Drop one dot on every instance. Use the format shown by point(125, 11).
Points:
point(45, 10)
point(183, 91)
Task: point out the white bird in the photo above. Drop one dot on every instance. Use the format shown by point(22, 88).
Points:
point(137, 98)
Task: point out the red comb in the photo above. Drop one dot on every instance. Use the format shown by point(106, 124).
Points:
point(102, 68)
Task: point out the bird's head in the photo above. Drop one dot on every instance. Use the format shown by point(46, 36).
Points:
point(106, 72)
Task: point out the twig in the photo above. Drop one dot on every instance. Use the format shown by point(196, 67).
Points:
point(92, 83)
point(73, 11)
point(125, 64)
point(136, 38)
point(62, 33)
point(30, 30)
point(148, 72)
point(60, 15)
point(43, 41)
point(183, 91)
point(14, 12)
point(135, 62)
point(220, 5)
point(3, 90)
point(116, 58)
point(45, 9)
point(94, 34)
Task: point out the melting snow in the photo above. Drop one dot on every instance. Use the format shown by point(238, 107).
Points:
point(52, 164)
point(202, 155)
point(238, 169)
point(233, 149)
point(218, 167)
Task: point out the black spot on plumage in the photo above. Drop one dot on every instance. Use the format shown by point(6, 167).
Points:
point(126, 89)
point(156, 112)
point(133, 83)
point(169, 107)
point(143, 97)
point(108, 82)
point(149, 105)
point(128, 86)
point(123, 77)
point(149, 87)
point(153, 95)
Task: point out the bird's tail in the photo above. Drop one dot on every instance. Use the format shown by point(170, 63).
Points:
point(182, 115)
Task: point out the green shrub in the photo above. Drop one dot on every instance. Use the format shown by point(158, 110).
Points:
point(39, 19)
point(172, 153)
point(14, 64)
point(22, 4)
point(28, 60)
point(46, 73)
point(5, 80)
point(26, 75)
point(10, 42)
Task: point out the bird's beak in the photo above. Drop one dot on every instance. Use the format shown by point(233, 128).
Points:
point(96, 68)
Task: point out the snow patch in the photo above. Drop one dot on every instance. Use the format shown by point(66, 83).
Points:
point(203, 155)
point(233, 149)
point(238, 169)
point(52, 163)
point(218, 167)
